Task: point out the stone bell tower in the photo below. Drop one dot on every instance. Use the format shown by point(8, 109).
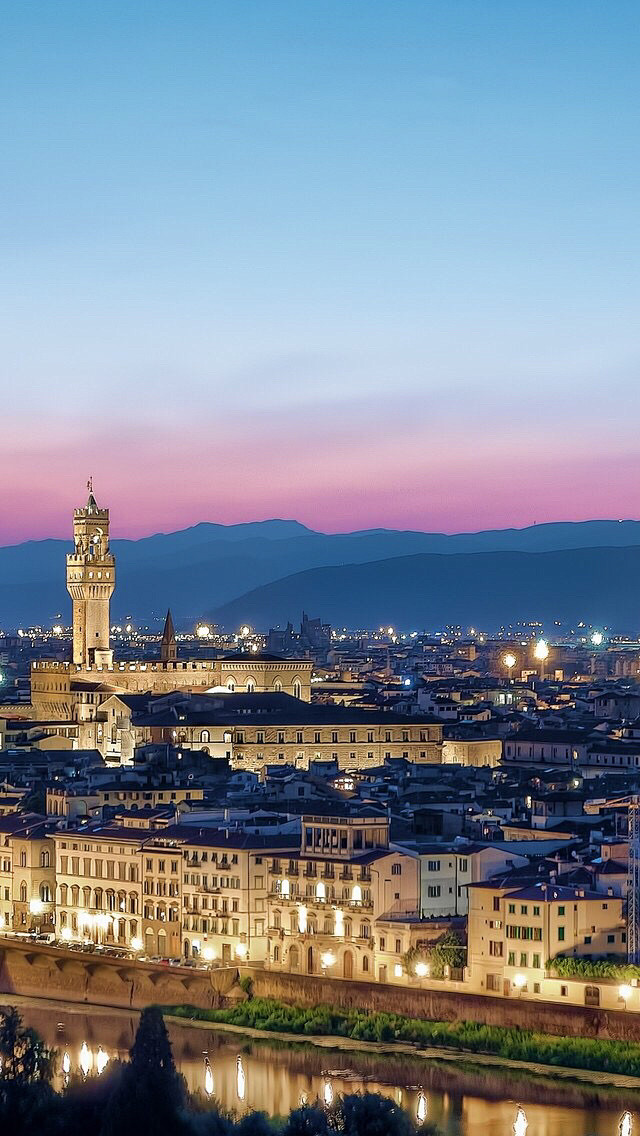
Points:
point(91, 578)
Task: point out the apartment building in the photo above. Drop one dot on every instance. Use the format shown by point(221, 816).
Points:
point(225, 885)
point(325, 898)
point(27, 874)
point(447, 871)
point(512, 934)
point(99, 873)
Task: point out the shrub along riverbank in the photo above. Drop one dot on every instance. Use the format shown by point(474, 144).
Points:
point(605, 1056)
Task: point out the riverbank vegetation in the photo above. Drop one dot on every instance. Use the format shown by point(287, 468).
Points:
point(614, 967)
point(619, 1057)
point(146, 1096)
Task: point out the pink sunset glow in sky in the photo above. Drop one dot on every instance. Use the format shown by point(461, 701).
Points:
point(359, 265)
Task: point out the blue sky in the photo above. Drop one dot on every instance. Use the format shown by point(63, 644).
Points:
point(358, 263)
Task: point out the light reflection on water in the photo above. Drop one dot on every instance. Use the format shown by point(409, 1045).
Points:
point(244, 1076)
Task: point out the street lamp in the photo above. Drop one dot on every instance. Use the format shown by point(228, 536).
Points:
point(328, 959)
point(519, 981)
point(422, 969)
point(509, 661)
point(625, 993)
point(541, 653)
point(597, 638)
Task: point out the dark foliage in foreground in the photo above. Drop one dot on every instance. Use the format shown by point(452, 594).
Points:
point(148, 1097)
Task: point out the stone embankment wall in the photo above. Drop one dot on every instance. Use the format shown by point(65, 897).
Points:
point(445, 1005)
point(43, 972)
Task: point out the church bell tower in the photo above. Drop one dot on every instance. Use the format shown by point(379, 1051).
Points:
point(91, 579)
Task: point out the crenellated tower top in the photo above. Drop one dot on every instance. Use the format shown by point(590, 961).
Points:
point(91, 579)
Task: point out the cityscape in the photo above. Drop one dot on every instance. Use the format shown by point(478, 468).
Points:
point(319, 561)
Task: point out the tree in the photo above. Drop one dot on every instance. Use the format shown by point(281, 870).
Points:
point(370, 1114)
point(448, 951)
point(25, 1057)
point(151, 1094)
point(310, 1120)
point(26, 1065)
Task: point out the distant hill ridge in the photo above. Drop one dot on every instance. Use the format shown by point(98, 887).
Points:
point(207, 567)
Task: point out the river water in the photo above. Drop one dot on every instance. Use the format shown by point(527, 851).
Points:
point(244, 1074)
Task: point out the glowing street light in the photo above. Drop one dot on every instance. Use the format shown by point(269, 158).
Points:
point(422, 969)
point(242, 950)
point(519, 981)
point(136, 943)
point(541, 653)
point(597, 638)
point(203, 631)
point(625, 993)
point(509, 661)
point(328, 959)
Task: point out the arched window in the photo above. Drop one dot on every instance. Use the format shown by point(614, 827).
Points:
point(23, 858)
point(297, 688)
point(23, 892)
point(45, 893)
point(276, 954)
point(205, 736)
point(251, 685)
point(365, 963)
point(277, 686)
point(63, 894)
point(45, 860)
point(231, 685)
point(321, 891)
point(285, 888)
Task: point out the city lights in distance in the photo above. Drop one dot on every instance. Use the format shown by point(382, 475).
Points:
point(203, 631)
point(509, 660)
point(57, 629)
point(597, 638)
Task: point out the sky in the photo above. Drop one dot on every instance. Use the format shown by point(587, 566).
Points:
point(353, 262)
